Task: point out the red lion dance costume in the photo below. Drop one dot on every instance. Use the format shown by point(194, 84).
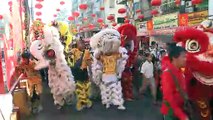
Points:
point(199, 68)
point(128, 40)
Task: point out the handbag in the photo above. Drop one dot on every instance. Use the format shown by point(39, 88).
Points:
point(189, 107)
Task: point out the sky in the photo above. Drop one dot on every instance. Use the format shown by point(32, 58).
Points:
point(49, 8)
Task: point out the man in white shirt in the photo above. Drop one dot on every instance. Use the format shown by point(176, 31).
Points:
point(147, 70)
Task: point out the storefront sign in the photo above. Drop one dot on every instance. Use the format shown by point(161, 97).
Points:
point(197, 17)
point(141, 28)
point(166, 21)
point(183, 20)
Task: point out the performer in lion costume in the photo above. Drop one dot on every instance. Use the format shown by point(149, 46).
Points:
point(109, 63)
point(199, 70)
point(49, 52)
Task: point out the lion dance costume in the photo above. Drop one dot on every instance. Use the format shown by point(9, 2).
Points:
point(199, 69)
point(128, 40)
point(81, 59)
point(109, 63)
point(50, 53)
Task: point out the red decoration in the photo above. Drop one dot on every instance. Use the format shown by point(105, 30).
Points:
point(138, 11)
point(140, 16)
point(40, 0)
point(110, 17)
point(126, 21)
point(154, 12)
point(38, 19)
point(10, 3)
point(122, 10)
point(93, 15)
point(10, 9)
point(126, 17)
point(62, 2)
point(83, 6)
point(71, 18)
point(38, 5)
point(1, 17)
point(177, 2)
point(114, 24)
point(85, 19)
point(76, 14)
point(100, 20)
point(38, 13)
point(156, 2)
point(102, 8)
point(54, 15)
point(195, 2)
point(91, 26)
point(58, 9)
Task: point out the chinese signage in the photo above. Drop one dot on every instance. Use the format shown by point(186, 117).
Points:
point(166, 21)
point(141, 28)
point(197, 17)
point(192, 19)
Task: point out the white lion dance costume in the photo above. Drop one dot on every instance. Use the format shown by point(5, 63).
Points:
point(109, 62)
point(50, 53)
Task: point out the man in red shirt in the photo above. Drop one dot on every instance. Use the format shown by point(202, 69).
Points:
point(172, 106)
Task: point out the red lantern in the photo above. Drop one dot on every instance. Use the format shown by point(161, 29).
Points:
point(154, 12)
point(102, 8)
point(10, 9)
point(62, 2)
point(156, 2)
point(177, 2)
point(140, 16)
point(58, 9)
point(110, 17)
point(114, 24)
point(38, 13)
point(40, 0)
point(10, 3)
point(93, 15)
point(38, 19)
point(83, 6)
point(100, 20)
point(126, 21)
point(85, 19)
point(126, 17)
point(76, 14)
point(122, 10)
point(91, 26)
point(38, 5)
point(71, 18)
point(1, 17)
point(195, 2)
point(138, 11)
point(54, 15)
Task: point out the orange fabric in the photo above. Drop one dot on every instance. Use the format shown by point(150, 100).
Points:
point(110, 63)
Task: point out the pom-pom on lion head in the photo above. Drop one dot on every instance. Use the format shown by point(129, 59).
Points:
point(107, 41)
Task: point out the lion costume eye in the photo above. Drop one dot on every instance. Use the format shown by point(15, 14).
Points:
point(192, 46)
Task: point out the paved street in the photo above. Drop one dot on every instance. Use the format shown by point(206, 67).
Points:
point(136, 110)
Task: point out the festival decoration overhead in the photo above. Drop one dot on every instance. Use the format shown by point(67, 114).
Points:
point(156, 2)
point(10, 3)
point(154, 12)
point(100, 20)
point(110, 17)
point(58, 9)
point(195, 2)
point(122, 10)
point(138, 11)
point(62, 3)
point(38, 13)
point(71, 18)
point(102, 8)
point(38, 5)
point(114, 24)
point(140, 16)
point(93, 15)
point(54, 15)
point(1, 17)
point(83, 6)
point(126, 21)
point(85, 19)
point(76, 13)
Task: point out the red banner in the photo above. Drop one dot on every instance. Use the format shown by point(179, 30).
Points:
point(183, 19)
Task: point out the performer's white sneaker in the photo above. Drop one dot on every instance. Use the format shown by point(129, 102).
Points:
point(121, 107)
point(107, 106)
